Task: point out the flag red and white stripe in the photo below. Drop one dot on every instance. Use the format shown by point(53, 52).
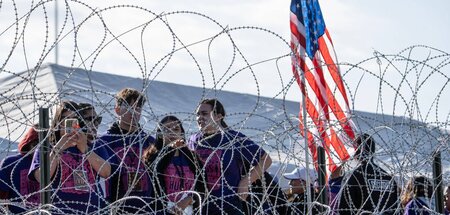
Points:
point(327, 108)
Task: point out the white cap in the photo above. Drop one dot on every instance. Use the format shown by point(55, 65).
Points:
point(300, 173)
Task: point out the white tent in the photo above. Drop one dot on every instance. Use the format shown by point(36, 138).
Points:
point(404, 144)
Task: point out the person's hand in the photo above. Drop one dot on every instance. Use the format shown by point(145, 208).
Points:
point(178, 143)
point(243, 188)
point(67, 140)
point(183, 204)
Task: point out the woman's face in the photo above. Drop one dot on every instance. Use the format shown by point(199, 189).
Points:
point(171, 131)
point(207, 120)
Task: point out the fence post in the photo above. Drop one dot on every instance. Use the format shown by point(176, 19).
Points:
point(322, 176)
point(437, 179)
point(44, 160)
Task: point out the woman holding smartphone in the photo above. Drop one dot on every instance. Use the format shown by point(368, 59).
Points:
point(175, 170)
point(74, 166)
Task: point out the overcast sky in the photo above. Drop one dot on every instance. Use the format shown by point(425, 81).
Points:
point(357, 28)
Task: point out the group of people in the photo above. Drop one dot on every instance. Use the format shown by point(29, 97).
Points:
point(217, 170)
point(128, 171)
point(366, 189)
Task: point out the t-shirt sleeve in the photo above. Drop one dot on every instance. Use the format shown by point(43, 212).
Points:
point(5, 173)
point(101, 151)
point(101, 148)
point(250, 151)
point(34, 164)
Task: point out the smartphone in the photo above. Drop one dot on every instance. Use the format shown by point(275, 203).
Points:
point(71, 125)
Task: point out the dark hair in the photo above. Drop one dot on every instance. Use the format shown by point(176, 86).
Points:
point(365, 147)
point(85, 107)
point(165, 155)
point(63, 107)
point(159, 137)
point(159, 141)
point(129, 95)
point(423, 187)
point(217, 108)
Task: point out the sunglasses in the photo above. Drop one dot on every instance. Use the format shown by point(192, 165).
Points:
point(96, 120)
point(131, 109)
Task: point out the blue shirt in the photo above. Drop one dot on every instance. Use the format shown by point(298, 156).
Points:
point(75, 185)
point(226, 157)
point(416, 206)
point(14, 181)
point(129, 176)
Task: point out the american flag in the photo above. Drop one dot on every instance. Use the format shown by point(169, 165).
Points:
point(328, 113)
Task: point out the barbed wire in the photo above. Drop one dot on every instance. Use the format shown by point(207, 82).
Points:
point(404, 94)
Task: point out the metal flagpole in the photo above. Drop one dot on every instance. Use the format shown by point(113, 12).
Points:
point(56, 32)
point(305, 136)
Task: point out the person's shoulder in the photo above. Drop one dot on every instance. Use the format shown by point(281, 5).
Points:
point(382, 171)
point(379, 172)
point(142, 135)
point(106, 137)
point(148, 138)
point(236, 135)
point(10, 159)
point(335, 181)
point(410, 205)
point(364, 168)
point(357, 176)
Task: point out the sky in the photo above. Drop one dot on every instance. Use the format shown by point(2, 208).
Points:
point(224, 37)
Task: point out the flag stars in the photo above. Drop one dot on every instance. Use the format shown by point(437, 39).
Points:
point(318, 21)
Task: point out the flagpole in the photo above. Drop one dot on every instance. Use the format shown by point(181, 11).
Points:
point(305, 136)
point(56, 32)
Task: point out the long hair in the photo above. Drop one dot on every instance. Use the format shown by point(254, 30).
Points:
point(157, 157)
point(159, 140)
point(419, 186)
point(63, 107)
point(217, 108)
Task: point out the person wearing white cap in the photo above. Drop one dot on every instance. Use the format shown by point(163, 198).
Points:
point(298, 178)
